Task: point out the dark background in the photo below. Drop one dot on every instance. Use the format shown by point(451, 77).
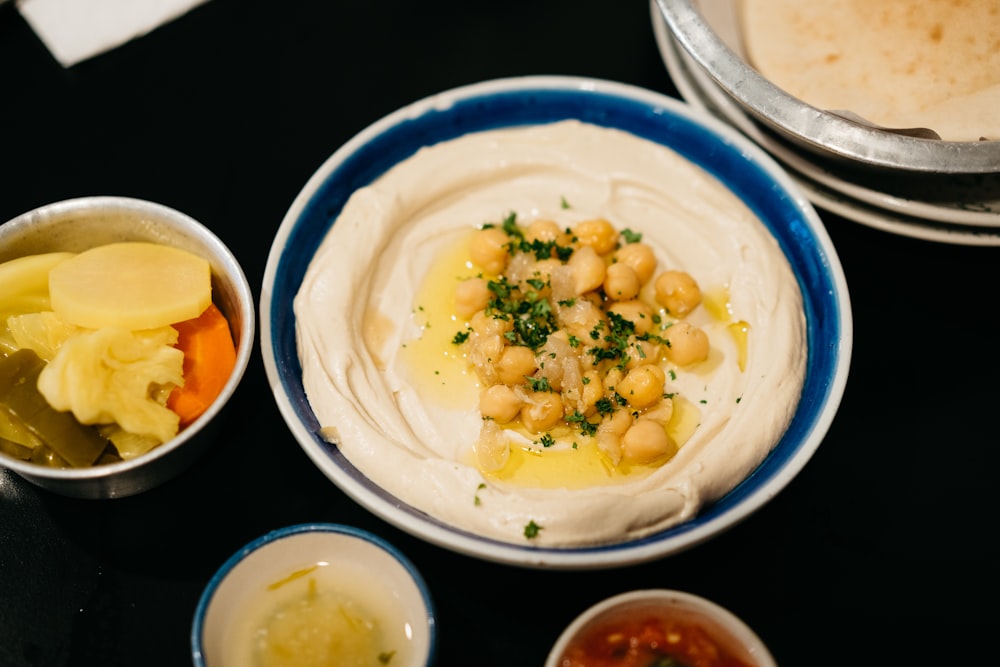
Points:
point(886, 539)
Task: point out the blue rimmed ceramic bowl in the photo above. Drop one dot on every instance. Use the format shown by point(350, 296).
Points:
point(738, 164)
point(318, 589)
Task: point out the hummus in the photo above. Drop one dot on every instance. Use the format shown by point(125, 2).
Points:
point(934, 63)
point(406, 416)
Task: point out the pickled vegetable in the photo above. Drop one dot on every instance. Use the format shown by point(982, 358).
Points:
point(112, 376)
point(26, 415)
point(42, 332)
point(102, 330)
point(209, 359)
point(131, 285)
point(28, 274)
point(24, 288)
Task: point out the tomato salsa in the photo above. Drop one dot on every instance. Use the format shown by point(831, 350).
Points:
point(647, 637)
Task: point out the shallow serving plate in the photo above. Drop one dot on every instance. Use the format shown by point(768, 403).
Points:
point(717, 148)
point(706, 32)
point(960, 209)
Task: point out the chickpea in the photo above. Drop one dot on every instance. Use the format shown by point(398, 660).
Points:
point(678, 292)
point(635, 311)
point(541, 270)
point(646, 441)
point(686, 344)
point(485, 344)
point(488, 249)
point(661, 412)
point(472, 296)
point(621, 282)
point(610, 432)
point(543, 230)
point(516, 362)
point(640, 257)
point(499, 403)
point(542, 410)
point(641, 352)
point(598, 234)
point(483, 324)
point(588, 268)
point(593, 391)
point(643, 386)
point(580, 319)
point(612, 380)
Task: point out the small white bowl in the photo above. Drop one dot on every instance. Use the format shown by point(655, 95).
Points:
point(274, 572)
point(681, 610)
point(75, 225)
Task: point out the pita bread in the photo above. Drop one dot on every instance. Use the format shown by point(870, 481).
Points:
point(898, 63)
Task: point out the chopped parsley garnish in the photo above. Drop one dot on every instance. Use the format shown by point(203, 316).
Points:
point(527, 311)
point(531, 530)
point(619, 339)
point(530, 313)
point(630, 236)
point(539, 383)
point(580, 419)
point(510, 227)
point(605, 406)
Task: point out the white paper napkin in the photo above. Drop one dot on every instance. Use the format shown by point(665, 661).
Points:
point(74, 30)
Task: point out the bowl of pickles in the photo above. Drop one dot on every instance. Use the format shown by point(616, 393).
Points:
point(125, 328)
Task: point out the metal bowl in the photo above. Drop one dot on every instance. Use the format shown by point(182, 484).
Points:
point(78, 224)
point(817, 130)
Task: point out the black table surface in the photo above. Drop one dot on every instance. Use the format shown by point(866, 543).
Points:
point(885, 537)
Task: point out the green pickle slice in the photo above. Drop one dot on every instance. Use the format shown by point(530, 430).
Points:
point(28, 422)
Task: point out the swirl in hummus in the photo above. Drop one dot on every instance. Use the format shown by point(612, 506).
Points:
point(376, 314)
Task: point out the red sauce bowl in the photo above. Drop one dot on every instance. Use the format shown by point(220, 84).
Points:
point(649, 628)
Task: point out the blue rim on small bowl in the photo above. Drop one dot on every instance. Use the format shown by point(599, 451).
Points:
point(198, 640)
point(715, 147)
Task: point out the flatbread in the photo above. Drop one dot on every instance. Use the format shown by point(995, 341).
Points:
point(898, 63)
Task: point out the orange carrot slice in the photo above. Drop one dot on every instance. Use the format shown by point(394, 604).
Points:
point(209, 358)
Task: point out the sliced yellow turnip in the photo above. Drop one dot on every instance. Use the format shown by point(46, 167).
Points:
point(130, 285)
